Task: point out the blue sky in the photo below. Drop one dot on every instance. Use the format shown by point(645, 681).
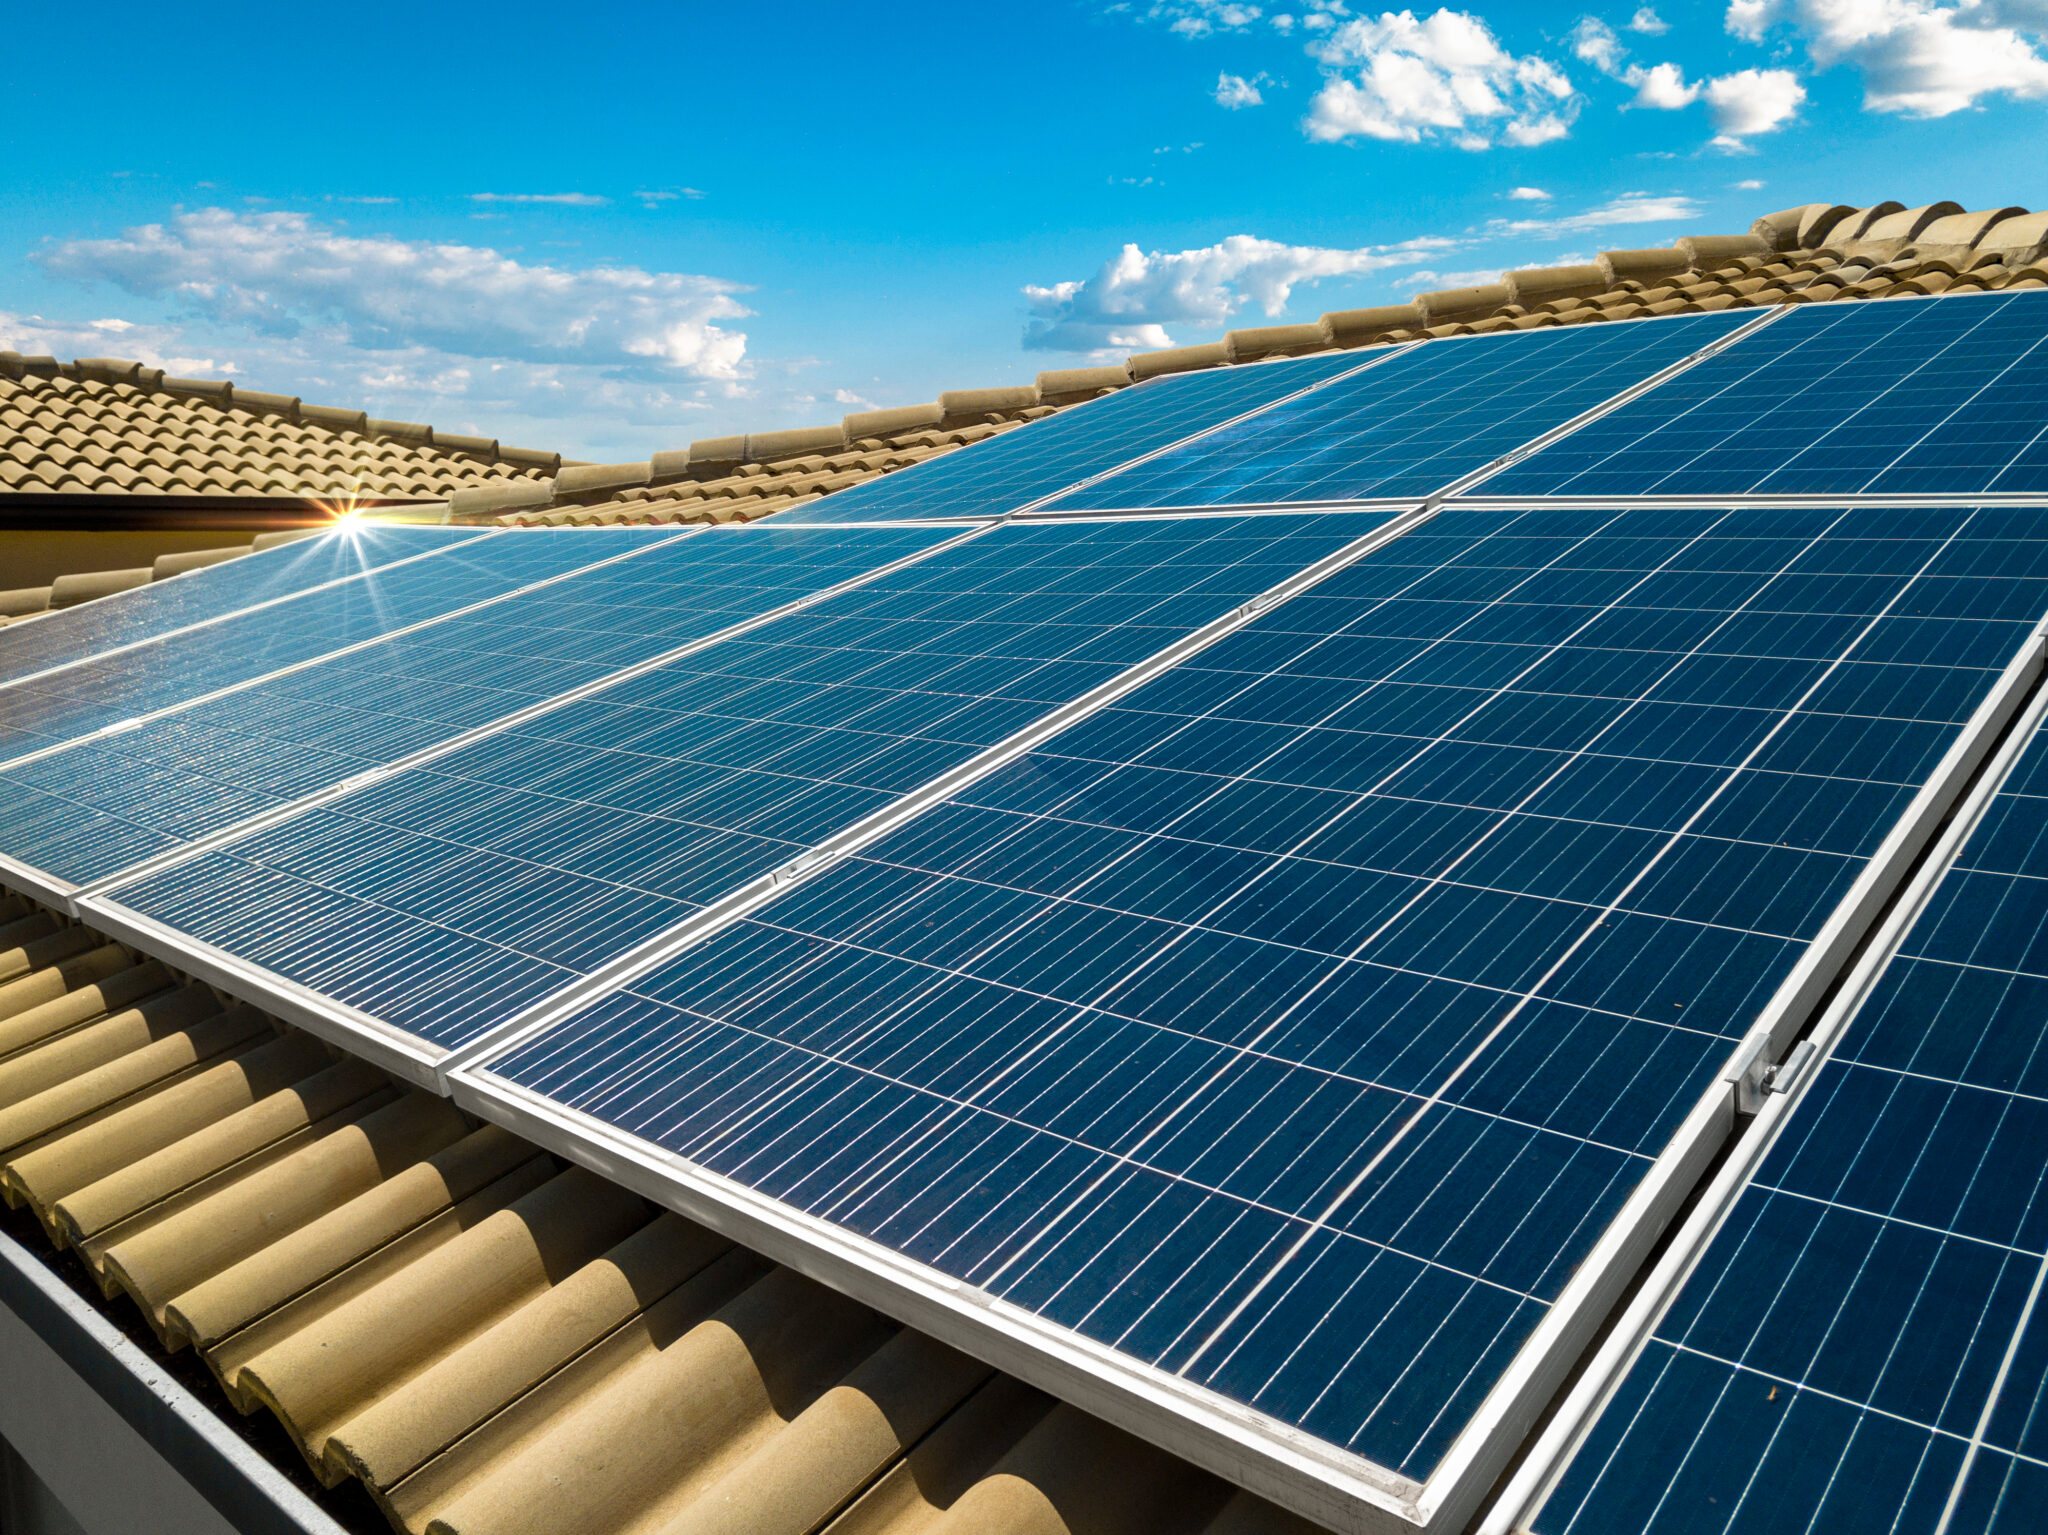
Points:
point(612, 228)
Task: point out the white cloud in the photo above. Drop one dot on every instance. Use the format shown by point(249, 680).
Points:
point(1234, 91)
point(1201, 18)
point(1130, 301)
point(1749, 186)
point(1752, 101)
point(1919, 58)
point(1597, 43)
point(565, 199)
point(1749, 19)
point(1528, 195)
point(1743, 104)
point(1628, 208)
point(279, 273)
point(1445, 78)
point(1648, 22)
point(1662, 87)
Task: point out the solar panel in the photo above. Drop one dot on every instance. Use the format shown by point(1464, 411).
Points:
point(1416, 423)
point(1295, 1027)
point(48, 710)
point(1029, 463)
point(105, 804)
point(1879, 397)
point(201, 596)
point(1864, 1344)
point(447, 898)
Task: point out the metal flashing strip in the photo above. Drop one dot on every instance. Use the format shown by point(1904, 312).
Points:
point(426, 754)
point(1328, 1485)
point(1489, 1441)
point(1982, 759)
point(122, 727)
point(750, 897)
point(1388, 354)
point(245, 1489)
point(31, 881)
point(254, 607)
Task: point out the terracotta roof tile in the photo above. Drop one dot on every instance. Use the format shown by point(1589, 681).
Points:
point(61, 422)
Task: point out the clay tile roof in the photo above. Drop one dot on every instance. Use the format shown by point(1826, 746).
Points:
point(477, 1335)
point(1817, 252)
point(64, 427)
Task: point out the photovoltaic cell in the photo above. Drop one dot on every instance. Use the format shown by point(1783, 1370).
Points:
point(1001, 474)
point(50, 710)
point(1415, 423)
point(55, 639)
point(449, 897)
point(87, 812)
point(1872, 1309)
point(1875, 397)
point(1297, 1025)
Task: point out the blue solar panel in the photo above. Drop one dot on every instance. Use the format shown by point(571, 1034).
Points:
point(1298, 1024)
point(55, 639)
point(103, 805)
point(1908, 398)
point(1031, 462)
point(1864, 1345)
point(449, 897)
point(1414, 424)
point(58, 707)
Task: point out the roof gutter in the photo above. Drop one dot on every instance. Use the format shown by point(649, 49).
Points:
point(74, 1381)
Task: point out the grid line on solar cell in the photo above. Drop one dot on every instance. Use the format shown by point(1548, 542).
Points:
point(1887, 1260)
point(1900, 398)
point(867, 965)
point(1026, 465)
point(1420, 422)
point(520, 863)
point(51, 641)
point(126, 691)
point(150, 796)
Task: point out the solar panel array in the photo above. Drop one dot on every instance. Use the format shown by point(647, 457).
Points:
point(1833, 399)
point(106, 803)
point(109, 690)
point(445, 899)
point(1336, 987)
point(1415, 424)
point(1014, 471)
point(1864, 1345)
point(1272, 950)
point(166, 607)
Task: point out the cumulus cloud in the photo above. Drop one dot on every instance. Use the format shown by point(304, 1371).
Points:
point(1130, 301)
point(1648, 22)
point(1234, 91)
point(1918, 58)
point(1662, 87)
point(1528, 195)
point(1743, 104)
point(1752, 101)
point(1599, 45)
point(1446, 78)
point(280, 273)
